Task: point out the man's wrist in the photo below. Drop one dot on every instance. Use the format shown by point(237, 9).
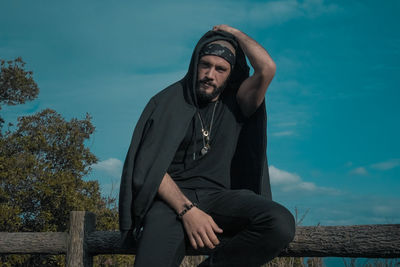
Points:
point(186, 208)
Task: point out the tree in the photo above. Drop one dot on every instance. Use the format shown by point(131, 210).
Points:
point(43, 162)
point(42, 166)
point(16, 85)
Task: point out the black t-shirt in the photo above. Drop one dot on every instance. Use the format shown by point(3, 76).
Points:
point(211, 170)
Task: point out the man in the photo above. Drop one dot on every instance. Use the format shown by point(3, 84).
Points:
point(196, 168)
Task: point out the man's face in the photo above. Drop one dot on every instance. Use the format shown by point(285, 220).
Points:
point(212, 75)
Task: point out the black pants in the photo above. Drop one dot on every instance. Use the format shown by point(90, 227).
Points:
point(260, 229)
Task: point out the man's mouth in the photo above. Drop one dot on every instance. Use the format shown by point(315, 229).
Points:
point(207, 84)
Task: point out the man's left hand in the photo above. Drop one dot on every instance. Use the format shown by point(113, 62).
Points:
point(226, 28)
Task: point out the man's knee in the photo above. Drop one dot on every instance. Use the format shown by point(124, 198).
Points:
point(280, 222)
point(286, 225)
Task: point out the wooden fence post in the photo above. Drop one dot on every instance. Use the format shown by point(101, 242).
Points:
point(81, 224)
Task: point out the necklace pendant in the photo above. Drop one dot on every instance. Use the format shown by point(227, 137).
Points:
point(205, 133)
point(205, 149)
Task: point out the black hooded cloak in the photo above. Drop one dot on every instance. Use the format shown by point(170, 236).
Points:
point(161, 128)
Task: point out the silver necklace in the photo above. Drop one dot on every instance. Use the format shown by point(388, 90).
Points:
point(206, 134)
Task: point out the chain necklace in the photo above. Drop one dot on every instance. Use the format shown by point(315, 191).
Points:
point(206, 134)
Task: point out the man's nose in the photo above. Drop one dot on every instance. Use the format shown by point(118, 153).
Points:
point(210, 74)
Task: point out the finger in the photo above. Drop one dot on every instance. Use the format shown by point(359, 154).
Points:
point(217, 27)
point(213, 238)
point(193, 241)
point(206, 240)
point(198, 240)
point(215, 227)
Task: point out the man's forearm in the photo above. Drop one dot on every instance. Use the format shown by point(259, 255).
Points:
point(257, 55)
point(252, 91)
point(170, 193)
point(199, 226)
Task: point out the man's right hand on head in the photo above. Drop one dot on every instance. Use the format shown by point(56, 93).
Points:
point(201, 228)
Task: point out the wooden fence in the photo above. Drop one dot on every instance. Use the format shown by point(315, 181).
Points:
point(82, 242)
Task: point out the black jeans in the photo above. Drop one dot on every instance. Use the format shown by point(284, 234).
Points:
point(260, 228)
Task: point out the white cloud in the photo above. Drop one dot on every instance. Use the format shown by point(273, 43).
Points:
point(287, 182)
point(387, 165)
point(277, 12)
point(286, 124)
point(359, 171)
point(111, 166)
point(314, 8)
point(287, 119)
point(353, 208)
point(381, 166)
point(383, 210)
point(283, 133)
point(349, 164)
point(280, 177)
point(274, 12)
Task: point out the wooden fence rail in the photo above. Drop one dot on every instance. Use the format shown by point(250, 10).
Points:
point(82, 242)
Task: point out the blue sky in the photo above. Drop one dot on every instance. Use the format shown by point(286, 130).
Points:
point(333, 113)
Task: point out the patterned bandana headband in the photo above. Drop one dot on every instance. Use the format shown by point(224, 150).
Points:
point(220, 51)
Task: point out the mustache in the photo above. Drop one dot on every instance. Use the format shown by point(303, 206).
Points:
point(207, 81)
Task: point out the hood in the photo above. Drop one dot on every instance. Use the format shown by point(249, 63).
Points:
point(239, 73)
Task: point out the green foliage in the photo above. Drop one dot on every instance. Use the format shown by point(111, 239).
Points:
point(16, 85)
point(42, 166)
point(43, 162)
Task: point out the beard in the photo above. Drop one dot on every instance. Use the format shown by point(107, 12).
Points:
point(203, 97)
